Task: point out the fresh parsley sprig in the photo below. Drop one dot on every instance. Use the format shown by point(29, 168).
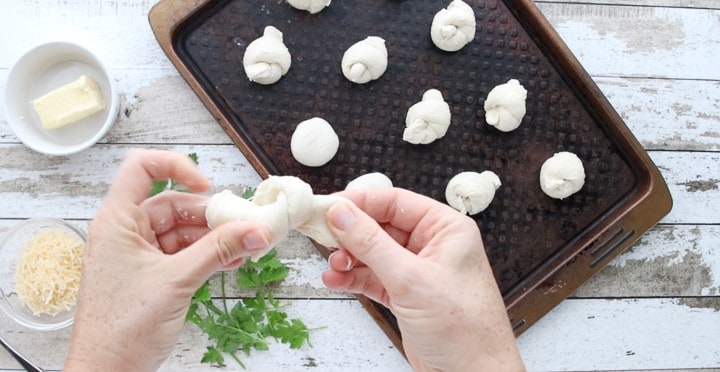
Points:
point(162, 185)
point(249, 324)
point(252, 321)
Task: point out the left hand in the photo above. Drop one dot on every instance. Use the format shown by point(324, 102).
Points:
point(144, 260)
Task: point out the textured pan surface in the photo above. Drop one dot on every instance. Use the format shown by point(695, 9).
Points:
point(522, 228)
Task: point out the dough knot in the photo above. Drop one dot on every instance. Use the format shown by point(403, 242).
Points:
point(505, 106)
point(267, 58)
point(365, 60)
point(281, 203)
point(312, 6)
point(453, 27)
point(427, 120)
point(472, 192)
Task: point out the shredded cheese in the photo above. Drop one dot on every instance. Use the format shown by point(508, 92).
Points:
point(48, 272)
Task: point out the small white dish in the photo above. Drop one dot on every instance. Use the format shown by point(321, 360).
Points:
point(47, 67)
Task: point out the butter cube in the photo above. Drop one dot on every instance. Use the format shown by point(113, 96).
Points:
point(69, 103)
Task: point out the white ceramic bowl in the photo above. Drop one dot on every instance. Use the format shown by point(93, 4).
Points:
point(43, 69)
point(11, 246)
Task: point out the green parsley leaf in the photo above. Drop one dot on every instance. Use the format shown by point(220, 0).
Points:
point(213, 355)
point(203, 293)
point(266, 271)
point(158, 187)
point(162, 185)
point(252, 320)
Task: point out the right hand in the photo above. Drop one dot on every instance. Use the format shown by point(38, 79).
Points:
point(425, 262)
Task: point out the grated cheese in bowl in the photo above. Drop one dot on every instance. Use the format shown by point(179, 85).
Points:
point(40, 267)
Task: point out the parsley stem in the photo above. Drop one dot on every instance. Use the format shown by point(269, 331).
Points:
point(222, 291)
point(234, 356)
point(244, 332)
point(215, 309)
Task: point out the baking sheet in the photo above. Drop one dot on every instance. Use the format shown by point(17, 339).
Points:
point(531, 239)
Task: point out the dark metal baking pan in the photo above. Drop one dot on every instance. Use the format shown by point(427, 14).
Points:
point(541, 249)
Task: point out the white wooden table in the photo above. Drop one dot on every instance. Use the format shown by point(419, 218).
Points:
point(655, 307)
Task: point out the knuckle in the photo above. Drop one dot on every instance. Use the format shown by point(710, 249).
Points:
point(224, 251)
point(367, 242)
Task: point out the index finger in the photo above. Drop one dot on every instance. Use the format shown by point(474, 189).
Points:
point(400, 208)
point(413, 220)
point(141, 168)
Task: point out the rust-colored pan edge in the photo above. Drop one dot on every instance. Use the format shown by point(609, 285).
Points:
point(621, 227)
point(165, 19)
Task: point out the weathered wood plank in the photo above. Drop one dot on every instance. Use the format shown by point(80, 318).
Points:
point(117, 31)
point(636, 40)
point(708, 4)
point(344, 327)
point(669, 261)
point(693, 179)
point(157, 106)
point(639, 41)
point(72, 187)
point(662, 114)
point(590, 335)
point(577, 335)
point(665, 114)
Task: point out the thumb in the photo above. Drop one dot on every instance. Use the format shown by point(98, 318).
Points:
point(221, 247)
point(362, 236)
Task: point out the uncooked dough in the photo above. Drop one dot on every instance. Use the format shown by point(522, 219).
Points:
point(472, 192)
point(562, 175)
point(267, 58)
point(453, 27)
point(281, 203)
point(365, 60)
point(374, 180)
point(428, 119)
point(314, 142)
point(505, 106)
point(312, 6)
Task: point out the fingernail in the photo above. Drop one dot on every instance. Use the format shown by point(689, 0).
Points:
point(255, 241)
point(341, 216)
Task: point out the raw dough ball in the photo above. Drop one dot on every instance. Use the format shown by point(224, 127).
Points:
point(314, 142)
point(375, 180)
point(428, 119)
point(312, 6)
point(267, 59)
point(562, 175)
point(281, 203)
point(472, 192)
point(365, 60)
point(505, 106)
point(454, 27)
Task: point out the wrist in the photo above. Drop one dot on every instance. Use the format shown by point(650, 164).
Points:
point(501, 355)
point(89, 354)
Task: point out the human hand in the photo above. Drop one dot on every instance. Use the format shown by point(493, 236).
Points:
point(426, 263)
point(143, 261)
